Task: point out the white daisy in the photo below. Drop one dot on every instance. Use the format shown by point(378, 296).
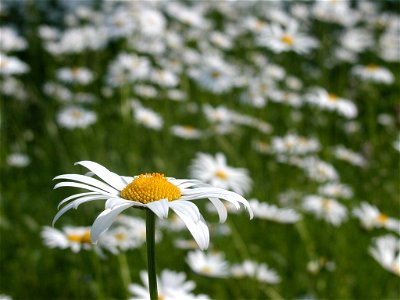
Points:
point(271, 212)
point(281, 39)
point(75, 238)
point(386, 251)
point(371, 217)
point(186, 132)
point(147, 117)
point(171, 286)
point(150, 191)
point(325, 208)
point(373, 73)
point(18, 160)
point(336, 190)
point(294, 144)
point(258, 271)
point(342, 153)
point(75, 75)
point(10, 65)
point(212, 264)
point(76, 117)
point(215, 171)
point(332, 102)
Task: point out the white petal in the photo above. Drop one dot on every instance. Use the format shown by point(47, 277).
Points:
point(105, 219)
point(198, 230)
point(189, 208)
point(221, 209)
point(73, 197)
point(75, 204)
point(88, 180)
point(111, 178)
point(160, 208)
point(112, 202)
point(83, 186)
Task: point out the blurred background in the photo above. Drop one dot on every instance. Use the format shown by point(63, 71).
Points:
point(294, 105)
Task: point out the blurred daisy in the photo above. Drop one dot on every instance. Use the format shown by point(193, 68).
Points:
point(373, 73)
point(281, 39)
point(186, 244)
point(294, 144)
point(72, 117)
point(211, 264)
point(215, 171)
point(75, 238)
point(396, 143)
point(271, 212)
point(10, 41)
point(5, 297)
point(214, 74)
point(171, 286)
point(10, 65)
point(186, 132)
point(147, 117)
point(150, 191)
point(332, 102)
point(78, 75)
point(258, 271)
point(18, 160)
point(350, 156)
point(336, 190)
point(317, 169)
point(386, 251)
point(371, 217)
point(325, 208)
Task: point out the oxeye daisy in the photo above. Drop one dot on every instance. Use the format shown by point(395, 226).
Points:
point(216, 172)
point(152, 191)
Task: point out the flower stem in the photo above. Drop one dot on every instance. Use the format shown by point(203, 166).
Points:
point(151, 258)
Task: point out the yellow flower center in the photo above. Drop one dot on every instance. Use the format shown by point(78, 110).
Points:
point(150, 187)
point(382, 218)
point(206, 270)
point(76, 114)
point(221, 174)
point(215, 74)
point(287, 39)
point(332, 97)
point(120, 236)
point(326, 204)
point(80, 238)
point(372, 67)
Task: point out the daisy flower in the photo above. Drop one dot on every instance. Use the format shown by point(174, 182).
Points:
point(147, 117)
point(294, 144)
point(371, 217)
point(259, 271)
point(186, 132)
point(171, 286)
point(215, 171)
point(386, 251)
point(152, 191)
point(18, 160)
point(325, 208)
point(75, 238)
point(336, 190)
point(328, 101)
point(271, 212)
point(350, 156)
point(78, 75)
point(373, 73)
point(281, 39)
point(212, 264)
point(10, 65)
point(75, 117)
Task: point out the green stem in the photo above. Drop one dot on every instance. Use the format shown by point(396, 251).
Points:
point(124, 269)
point(151, 258)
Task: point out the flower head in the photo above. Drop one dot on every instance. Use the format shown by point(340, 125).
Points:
point(151, 191)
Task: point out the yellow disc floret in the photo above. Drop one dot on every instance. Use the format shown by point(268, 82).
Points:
point(150, 187)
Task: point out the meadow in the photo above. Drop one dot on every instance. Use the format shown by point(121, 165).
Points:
point(293, 105)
